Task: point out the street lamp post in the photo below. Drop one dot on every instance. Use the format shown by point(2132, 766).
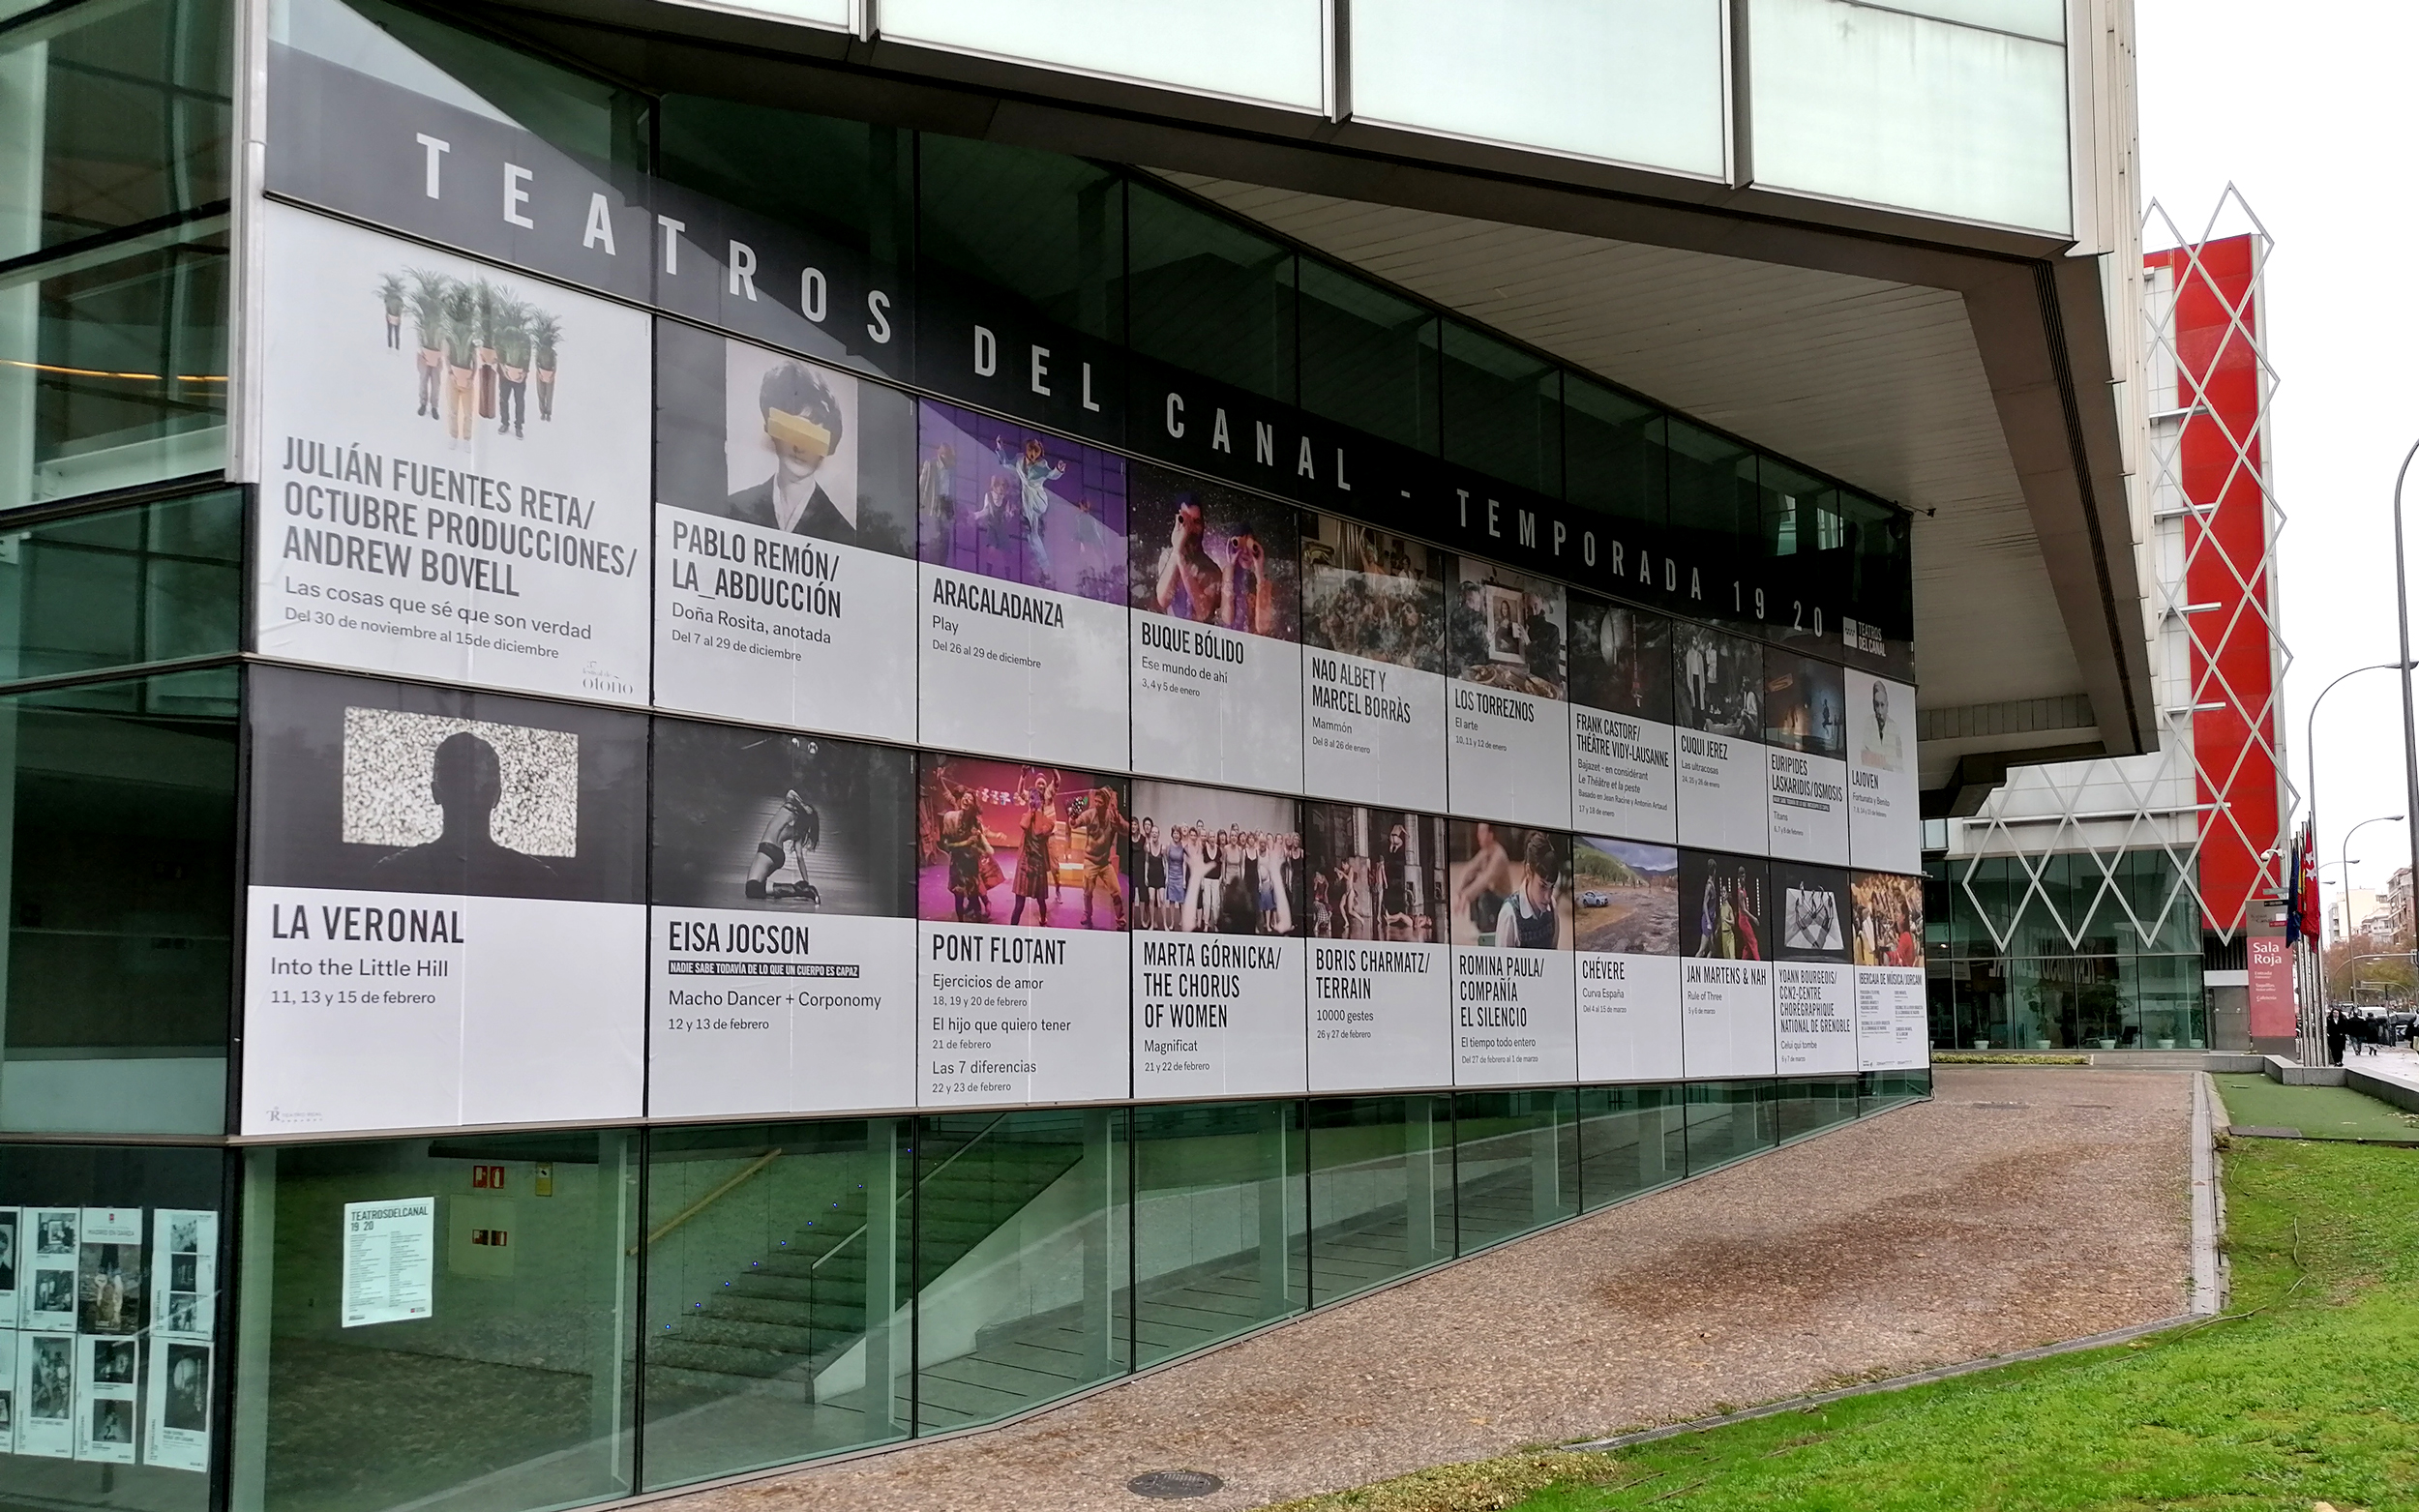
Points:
point(2313, 1017)
point(2401, 617)
point(2344, 854)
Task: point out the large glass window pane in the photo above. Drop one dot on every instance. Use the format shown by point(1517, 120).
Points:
point(1625, 81)
point(1729, 1120)
point(1020, 1260)
point(1516, 1163)
point(1810, 1107)
point(113, 366)
point(1614, 451)
point(117, 115)
point(1368, 357)
point(148, 583)
point(1381, 1190)
point(1219, 1245)
point(118, 1255)
point(439, 1324)
point(1883, 1090)
point(777, 1282)
point(1268, 50)
point(1205, 295)
point(1631, 1140)
point(118, 817)
point(1715, 510)
point(1503, 410)
point(1869, 102)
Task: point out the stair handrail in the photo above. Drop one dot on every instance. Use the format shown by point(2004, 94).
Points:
point(707, 1201)
point(916, 1185)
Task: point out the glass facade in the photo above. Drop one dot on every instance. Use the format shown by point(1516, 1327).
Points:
point(2067, 950)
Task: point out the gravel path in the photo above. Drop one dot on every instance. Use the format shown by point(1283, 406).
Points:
point(2020, 1207)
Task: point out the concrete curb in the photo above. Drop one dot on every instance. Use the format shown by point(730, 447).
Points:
point(2208, 1278)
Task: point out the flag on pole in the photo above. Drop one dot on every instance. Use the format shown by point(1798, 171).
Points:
point(2295, 888)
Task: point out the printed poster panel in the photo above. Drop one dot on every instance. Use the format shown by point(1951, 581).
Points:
point(458, 494)
point(1373, 665)
point(1717, 711)
point(1022, 591)
point(46, 1395)
point(1513, 930)
point(785, 540)
point(1628, 894)
point(176, 1407)
point(1218, 963)
point(1509, 753)
point(1622, 780)
point(1381, 965)
point(1022, 950)
point(1893, 1011)
point(10, 1402)
point(109, 1272)
point(781, 945)
point(1217, 659)
point(1725, 972)
point(1814, 982)
point(48, 1300)
point(1885, 824)
point(1805, 734)
point(105, 1371)
point(11, 1253)
point(446, 923)
point(184, 1272)
point(390, 1261)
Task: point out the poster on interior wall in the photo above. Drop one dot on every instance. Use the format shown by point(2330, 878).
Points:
point(46, 1395)
point(106, 1370)
point(109, 1291)
point(11, 1254)
point(176, 1407)
point(1718, 753)
point(1381, 957)
point(8, 1401)
point(389, 1273)
point(1020, 950)
point(1892, 1014)
point(1513, 930)
point(184, 1272)
point(457, 493)
point(447, 921)
point(1725, 966)
point(1508, 754)
point(1627, 894)
point(1805, 741)
point(1885, 823)
point(785, 540)
point(1215, 580)
point(1622, 780)
point(781, 943)
point(1217, 948)
point(47, 1300)
point(1814, 980)
point(1021, 597)
point(1373, 665)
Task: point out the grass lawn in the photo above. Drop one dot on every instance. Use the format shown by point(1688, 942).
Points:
point(2314, 1397)
point(2319, 1113)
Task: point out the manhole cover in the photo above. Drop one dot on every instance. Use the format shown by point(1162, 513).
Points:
point(1174, 1484)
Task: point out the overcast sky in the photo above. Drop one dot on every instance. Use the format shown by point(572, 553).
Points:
point(2308, 113)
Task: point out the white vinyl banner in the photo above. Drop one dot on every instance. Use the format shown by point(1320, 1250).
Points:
point(1726, 1018)
point(1814, 1004)
point(1510, 755)
point(1216, 705)
point(1893, 1021)
point(1720, 784)
point(1809, 806)
point(1621, 778)
point(1020, 1014)
point(1021, 671)
point(1629, 1018)
point(1885, 830)
point(1380, 1016)
point(460, 494)
point(1375, 731)
point(46, 1395)
point(1217, 1016)
point(1513, 1018)
point(810, 1013)
point(377, 1010)
point(390, 1261)
point(763, 626)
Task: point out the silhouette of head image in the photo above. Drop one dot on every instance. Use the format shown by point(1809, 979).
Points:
point(466, 783)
